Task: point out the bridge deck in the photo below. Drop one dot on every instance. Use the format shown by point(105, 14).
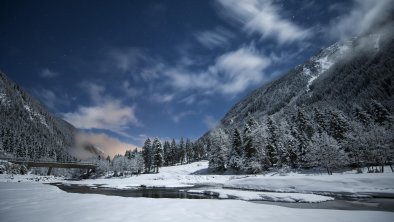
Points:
point(31, 163)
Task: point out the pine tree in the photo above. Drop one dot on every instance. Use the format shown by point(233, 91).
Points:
point(379, 113)
point(339, 125)
point(302, 132)
point(173, 152)
point(249, 148)
point(252, 157)
point(189, 151)
point(181, 152)
point(320, 119)
point(167, 154)
point(235, 158)
point(217, 155)
point(147, 154)
point(158, 154)
point(362, 116)
point(272, 142)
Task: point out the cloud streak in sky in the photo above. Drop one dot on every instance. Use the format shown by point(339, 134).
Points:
point(363, 16)
point(47, 73)
point(232, 73)
point(106, 112)
point(262, 17)
point(218, 37)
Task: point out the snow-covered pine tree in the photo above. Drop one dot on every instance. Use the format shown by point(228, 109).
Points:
point(166, 153)
point(326, 152)
point(339, 125)
point(252, 158)
point(181, 151)
point(158, 154)
point(272, 146)
point(362, 115)
point(189, 151)
point(379, 113)
point(302, 132)
point(173, 152)
point(320, 120)
point(218, 150)
point(147, 155)
point(235, 158)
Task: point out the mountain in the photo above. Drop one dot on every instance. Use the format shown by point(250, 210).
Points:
point(27, 129)
point(344, 93)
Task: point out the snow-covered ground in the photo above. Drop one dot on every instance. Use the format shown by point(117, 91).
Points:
point(346, 183)
point(195, 174)
point(293, 186)
point(174, 176)
point(32, 202)
point(268, 196)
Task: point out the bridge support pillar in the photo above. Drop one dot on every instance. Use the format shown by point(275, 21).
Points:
point(49, 171)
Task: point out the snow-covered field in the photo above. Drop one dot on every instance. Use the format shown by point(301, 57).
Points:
point(27, 201)
point(268, 196)
point(25, 198)
point(292, 187)
point(194, 174)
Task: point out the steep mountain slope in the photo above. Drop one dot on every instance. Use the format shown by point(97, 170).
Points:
point(331, 78)
point(27, 129)
point(343, 93)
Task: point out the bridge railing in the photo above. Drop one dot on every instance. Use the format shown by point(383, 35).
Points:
point(19, 159)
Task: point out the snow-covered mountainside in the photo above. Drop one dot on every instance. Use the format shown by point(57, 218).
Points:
point(27, 129)
point(320, 77)
point(344, 93)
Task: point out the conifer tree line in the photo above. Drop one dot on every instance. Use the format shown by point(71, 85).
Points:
point(326, 139)
point(157, 154)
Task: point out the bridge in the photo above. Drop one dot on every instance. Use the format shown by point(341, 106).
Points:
point(52, 164)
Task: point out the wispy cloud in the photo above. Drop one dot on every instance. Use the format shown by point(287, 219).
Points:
point(363, 17)
point(126, 60)
point(162, 98)
point(179, 116)
point(130, 91)
point(231, 74)
point(110, 145)
point(47, 73)
point(106, 112)
point(214, 38)
point(262, 17)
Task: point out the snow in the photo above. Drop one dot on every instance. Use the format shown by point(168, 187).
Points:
point(38, 202)
point(29, 178)
point(189, 175)
point(349, 183)
point(38, 115)
point(175, 176)
point(193, 174)
point(268, 196)
point(323, 64)
point(3, 99)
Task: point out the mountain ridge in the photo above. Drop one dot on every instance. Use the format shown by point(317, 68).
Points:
point(349, 84)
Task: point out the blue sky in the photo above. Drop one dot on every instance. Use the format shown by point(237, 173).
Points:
point(132, 69)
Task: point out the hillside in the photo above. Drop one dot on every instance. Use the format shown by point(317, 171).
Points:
point(341, 100)
point(27, 129)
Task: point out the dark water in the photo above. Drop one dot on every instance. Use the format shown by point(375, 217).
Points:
point(340, 202)
point(179, 193)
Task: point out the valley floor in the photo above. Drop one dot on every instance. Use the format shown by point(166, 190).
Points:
point(30, 200)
